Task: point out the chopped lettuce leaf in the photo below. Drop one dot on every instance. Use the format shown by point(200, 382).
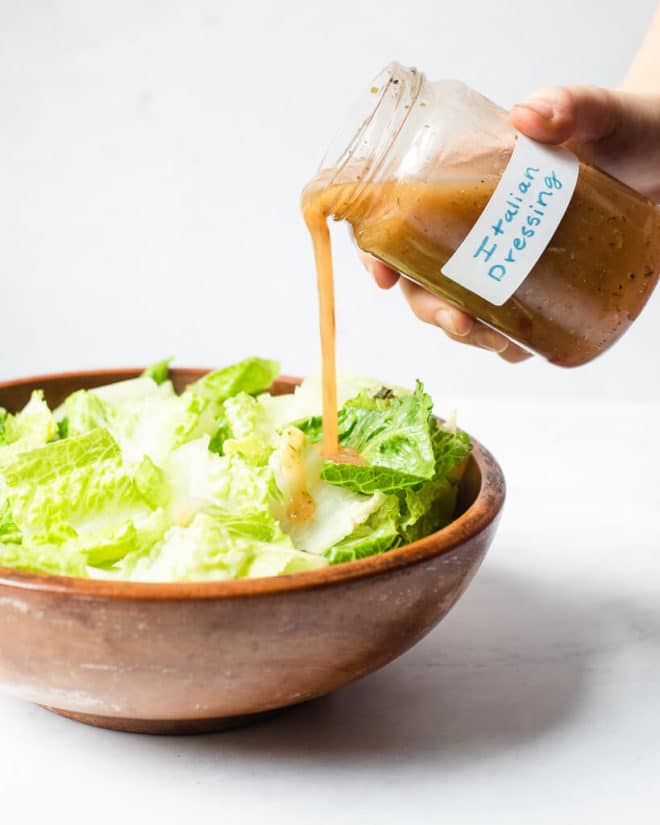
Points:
point(42, 558)
point(393, 437)
point(426, 508)
point(253, 375)
point(335, 512)
point(149, 421)
point(429, 506)
point(450, 449)
point(150, 482)
point(133, 390)
point(207, 549)
point(378, 534)
point(250, 428)
point(84, 411)
point(109, 545)
point(159, 372)
point(76, 494)
point(409, 455)
point(338, 514)
point(30, 428)
point(306, 401)
point(221, 434)
point(44, 464)
point(133, 537)
point(201, 481)
point(9, 531)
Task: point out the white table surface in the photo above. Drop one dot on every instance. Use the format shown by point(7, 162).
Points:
point(536, 701)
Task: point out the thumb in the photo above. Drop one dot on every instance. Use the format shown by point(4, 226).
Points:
point(579, 114)
point(618, 131)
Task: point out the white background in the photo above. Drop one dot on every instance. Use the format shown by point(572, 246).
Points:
point(152, 156)
point(151, 161)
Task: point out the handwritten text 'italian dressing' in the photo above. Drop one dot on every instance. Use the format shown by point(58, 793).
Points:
point(518, 222)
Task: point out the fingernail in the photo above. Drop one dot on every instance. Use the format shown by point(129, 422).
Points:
point(446, 319)
point(540, 107)
point(486, 339)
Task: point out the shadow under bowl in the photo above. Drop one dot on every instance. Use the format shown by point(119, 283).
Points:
point(200, 656)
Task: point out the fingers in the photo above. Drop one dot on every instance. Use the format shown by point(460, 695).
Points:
point(458, 325)
point(433, 310)
point(382, 274)
point(618, 131)
point(581, 114)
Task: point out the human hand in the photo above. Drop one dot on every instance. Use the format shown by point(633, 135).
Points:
point(618, 131)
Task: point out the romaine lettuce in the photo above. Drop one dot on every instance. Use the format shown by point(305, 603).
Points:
point(158, 372)
point(252, 375)
point(224, 480)
point(30, 428)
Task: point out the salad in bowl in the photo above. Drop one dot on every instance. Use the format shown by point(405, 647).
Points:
point(224, 480)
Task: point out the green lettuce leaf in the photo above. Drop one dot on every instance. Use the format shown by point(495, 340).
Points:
point(32, 427)
point(252, 375)
point(76, 494)
point(335, 512)
point(151, 483)
point(450, 448)
point(429, 506)
point(417, 506)
point(159, 372)
point(392, 434)
point(42, 558)
point(208, 549)
point(144, 418)
point(307, 399)
point(221, 434)
point(378, 534)
point(84, 411)
point(426, 508)
point(108, 545)
point(201, 481)
point(9, 530)
point(132, 391)
point(111, 544)
point(248, 429)
point(43, 465)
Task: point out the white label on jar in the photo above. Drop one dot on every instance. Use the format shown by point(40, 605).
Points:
point(519, 219)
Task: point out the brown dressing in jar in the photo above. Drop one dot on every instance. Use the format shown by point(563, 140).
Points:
point(589, 285)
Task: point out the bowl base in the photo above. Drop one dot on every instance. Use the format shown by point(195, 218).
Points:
point(176, 727)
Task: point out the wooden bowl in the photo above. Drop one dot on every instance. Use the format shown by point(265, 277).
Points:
point(189, 657)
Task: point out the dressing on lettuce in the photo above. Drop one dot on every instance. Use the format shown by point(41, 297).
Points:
point(222, 481)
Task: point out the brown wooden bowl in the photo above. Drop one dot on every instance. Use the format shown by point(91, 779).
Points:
point(188, 657)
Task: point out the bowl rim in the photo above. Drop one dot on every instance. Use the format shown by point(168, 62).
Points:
point(484, 510)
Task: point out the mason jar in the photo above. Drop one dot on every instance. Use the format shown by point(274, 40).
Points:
point(434, 181)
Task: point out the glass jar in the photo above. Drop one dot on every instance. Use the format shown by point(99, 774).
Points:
point(414, 170)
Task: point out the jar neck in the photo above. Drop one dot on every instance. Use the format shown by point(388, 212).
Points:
point(358, 155)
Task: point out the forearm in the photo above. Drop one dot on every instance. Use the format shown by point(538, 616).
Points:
point(643, 76)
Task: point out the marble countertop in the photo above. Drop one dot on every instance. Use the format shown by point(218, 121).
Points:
point(535, 701)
